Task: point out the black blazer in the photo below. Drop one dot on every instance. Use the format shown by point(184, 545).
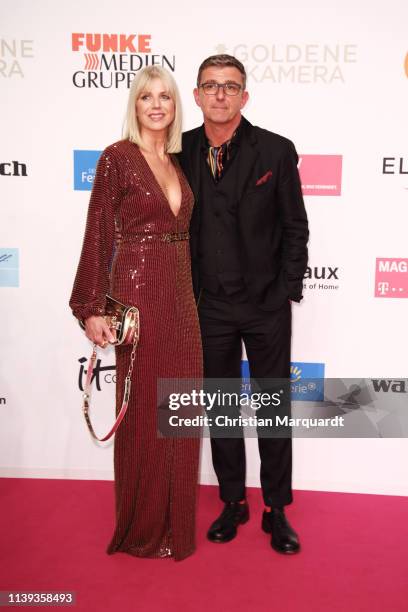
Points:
point(272, 221)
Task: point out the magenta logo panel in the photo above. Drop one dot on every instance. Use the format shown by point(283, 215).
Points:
point(391, 278)
point(320, 174)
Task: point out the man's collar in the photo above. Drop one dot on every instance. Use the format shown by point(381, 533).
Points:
point(234, 140)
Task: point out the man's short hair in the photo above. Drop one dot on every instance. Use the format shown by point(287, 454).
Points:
point(222, 60)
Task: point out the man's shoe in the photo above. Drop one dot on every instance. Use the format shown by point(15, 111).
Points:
point(224, 528)
point(284, 539)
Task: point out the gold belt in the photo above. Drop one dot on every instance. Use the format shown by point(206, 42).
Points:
point(175, 237)
point(147, 237)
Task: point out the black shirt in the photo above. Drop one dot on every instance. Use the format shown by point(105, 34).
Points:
point(219, 239)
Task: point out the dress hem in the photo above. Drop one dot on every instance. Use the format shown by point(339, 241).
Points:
point(135, 553)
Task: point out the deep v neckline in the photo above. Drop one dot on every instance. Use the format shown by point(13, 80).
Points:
point(159, 188)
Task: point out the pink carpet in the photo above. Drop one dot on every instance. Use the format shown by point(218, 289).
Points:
point(53, 535)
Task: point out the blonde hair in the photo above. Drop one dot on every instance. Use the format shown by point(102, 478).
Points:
point(131, 129)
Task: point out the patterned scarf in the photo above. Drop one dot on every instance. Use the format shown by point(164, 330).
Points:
point(217, 156)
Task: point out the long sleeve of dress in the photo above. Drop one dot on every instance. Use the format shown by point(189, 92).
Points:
point(92, 278)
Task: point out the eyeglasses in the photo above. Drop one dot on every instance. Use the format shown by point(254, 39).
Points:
point(230, 89)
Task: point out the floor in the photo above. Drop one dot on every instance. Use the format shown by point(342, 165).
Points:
point(53, 535)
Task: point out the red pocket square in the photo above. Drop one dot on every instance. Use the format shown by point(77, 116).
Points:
point(264, 178)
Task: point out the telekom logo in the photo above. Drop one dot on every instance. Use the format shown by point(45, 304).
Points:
point(320, 174)
point(391, 278)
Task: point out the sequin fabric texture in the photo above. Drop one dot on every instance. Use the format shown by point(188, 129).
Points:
point(155, 478)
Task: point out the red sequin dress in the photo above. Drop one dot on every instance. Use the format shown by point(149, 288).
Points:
point(122, 254)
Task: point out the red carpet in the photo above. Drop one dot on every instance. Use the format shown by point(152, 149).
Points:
point(53, 535)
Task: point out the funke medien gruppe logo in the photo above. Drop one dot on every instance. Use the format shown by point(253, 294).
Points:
point(112, 60)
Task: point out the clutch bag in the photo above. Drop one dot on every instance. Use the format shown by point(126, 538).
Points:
point(125, 321)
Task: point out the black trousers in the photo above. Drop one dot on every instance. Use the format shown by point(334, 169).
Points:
point(225, 321)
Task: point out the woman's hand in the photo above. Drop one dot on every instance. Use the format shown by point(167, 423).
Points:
point(98, 331)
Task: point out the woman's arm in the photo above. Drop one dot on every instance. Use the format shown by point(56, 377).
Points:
point(92, 278)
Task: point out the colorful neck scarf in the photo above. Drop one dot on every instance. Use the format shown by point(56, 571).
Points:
point(216, 158)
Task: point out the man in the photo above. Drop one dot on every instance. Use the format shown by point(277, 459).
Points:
point(248, 246)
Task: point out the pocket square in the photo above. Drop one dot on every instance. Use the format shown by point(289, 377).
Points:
point(264, 178)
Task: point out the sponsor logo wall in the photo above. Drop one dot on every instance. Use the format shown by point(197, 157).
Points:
point(320, 174)
point(391, 278)
point(112, 60)
point(322, 278)
point(9, 267)
point(13, 168)
point(102, 373)
point(396, 169)
point(84, 169)
point(298, 63)
point(395, 165)
point(390, 386)
point(65, 78)
point(307, 381)
point(15, 57)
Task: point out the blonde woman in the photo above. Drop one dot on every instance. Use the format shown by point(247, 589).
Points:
point(140, 198)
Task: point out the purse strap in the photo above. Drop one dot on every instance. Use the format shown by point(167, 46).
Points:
point(126, 392)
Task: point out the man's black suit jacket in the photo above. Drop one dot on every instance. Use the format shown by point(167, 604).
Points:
point(272, 221)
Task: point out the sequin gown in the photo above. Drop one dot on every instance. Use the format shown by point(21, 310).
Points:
point(155, 478)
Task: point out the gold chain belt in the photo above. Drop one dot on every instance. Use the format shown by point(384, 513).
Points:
point(149, 236)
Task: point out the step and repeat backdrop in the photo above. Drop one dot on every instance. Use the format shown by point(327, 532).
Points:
point(330, 75)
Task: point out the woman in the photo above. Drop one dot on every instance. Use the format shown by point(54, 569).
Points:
point(139, 197)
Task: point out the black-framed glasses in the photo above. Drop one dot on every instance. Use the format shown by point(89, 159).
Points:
point(212, 88)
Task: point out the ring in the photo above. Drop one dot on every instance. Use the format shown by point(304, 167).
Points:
point(104, 344)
